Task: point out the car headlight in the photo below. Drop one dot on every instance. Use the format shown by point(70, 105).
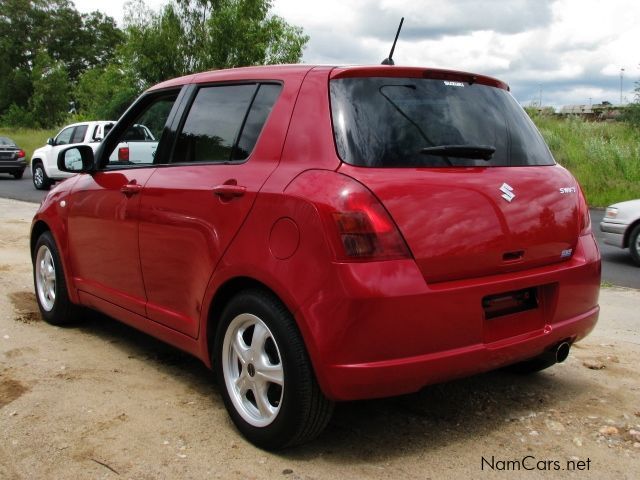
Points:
point(611, 212)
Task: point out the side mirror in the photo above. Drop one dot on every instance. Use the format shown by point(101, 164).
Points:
point(50, 141)
point(77, 159)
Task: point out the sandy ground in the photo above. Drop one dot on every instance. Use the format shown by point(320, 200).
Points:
point(101, 400)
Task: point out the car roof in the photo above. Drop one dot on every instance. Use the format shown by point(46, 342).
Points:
point(92, 122)
point(268, 72)
point(272, 72)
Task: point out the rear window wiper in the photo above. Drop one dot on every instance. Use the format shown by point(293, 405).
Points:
point(483, 152)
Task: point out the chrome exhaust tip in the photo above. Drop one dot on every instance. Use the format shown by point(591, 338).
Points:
point(562, 352)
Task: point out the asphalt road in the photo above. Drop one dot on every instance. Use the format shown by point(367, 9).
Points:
point(617, 266)
point(20, 189)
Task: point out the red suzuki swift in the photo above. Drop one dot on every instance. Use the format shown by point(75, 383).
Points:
point(318, 234)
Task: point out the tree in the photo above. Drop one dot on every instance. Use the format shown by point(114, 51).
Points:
point(195, 35)
point(105, 93)
point(49, 103)
point(154, 49)
point(245, 34)
point(29, 28)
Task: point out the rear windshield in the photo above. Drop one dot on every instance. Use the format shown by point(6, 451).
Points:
point(408, 122)
point(6, 142)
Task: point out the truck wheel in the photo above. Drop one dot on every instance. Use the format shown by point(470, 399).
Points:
point(264, 372)
point(40, 179)
point(634, 244)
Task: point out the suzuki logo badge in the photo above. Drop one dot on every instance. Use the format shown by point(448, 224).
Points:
point(507, 192)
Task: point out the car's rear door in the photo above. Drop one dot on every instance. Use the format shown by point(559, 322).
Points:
point(192, 208)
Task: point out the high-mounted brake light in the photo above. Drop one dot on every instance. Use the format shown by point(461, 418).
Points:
point(358, 226)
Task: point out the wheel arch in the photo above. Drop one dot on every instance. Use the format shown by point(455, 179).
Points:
point(225, 292)
point(57, 232)
point(627, 233)
point(38, 228)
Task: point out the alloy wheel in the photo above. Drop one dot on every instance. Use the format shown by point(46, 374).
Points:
point(252, 369)
point(45, 278)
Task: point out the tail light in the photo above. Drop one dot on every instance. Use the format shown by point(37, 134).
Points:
point(357, 225)
point(585, 218)
point(21, 153)
point(123, 154)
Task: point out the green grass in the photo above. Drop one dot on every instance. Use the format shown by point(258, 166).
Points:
point(28, 139)
point(603, 156)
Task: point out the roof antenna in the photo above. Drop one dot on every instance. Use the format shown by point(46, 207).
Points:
point(389, 60)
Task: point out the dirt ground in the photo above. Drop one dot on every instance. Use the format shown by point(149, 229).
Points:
point(101, 400)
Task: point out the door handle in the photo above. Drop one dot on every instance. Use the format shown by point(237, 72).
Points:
point(131, 189)
point(228, 191)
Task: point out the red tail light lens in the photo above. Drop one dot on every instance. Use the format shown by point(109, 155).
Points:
point(123, 154)
point(21, 154)
point(358, 226)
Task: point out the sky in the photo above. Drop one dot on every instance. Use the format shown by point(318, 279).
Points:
point(559, 51)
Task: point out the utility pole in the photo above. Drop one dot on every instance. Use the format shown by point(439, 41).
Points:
point(621, 76)
point(540, 96)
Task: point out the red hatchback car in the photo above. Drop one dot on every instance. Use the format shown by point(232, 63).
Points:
point(320, 234)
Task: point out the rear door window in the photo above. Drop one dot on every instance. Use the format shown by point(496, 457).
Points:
point(79, 133)
point(408, 122)
point(224, 122)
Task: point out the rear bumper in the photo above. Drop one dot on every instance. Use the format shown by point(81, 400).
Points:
point(390, 333)
point(407, 375)
point(12, 166)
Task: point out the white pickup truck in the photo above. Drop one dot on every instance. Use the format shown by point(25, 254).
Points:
point(44, 161)
point(138, 146)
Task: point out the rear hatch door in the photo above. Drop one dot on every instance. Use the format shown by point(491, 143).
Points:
point(459, 166)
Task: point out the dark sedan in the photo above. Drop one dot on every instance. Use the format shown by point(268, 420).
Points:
point(12, 158)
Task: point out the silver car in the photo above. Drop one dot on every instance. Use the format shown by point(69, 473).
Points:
point(621, 227)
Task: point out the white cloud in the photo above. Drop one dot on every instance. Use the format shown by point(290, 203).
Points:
point(571, 49)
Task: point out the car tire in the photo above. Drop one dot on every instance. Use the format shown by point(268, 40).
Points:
point(50, 283)
point(267, 381)
point(18, 175)
point(40, 179)
point(634, 244)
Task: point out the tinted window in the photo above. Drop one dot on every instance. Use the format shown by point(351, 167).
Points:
point(64, 137)
point(138, 133)
point(218, 127)
point(138, 143)
point(99, 134)
point(78, 134)
point(5, 141)
point(260, 108)
point(213, 123)
point(386, 122)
